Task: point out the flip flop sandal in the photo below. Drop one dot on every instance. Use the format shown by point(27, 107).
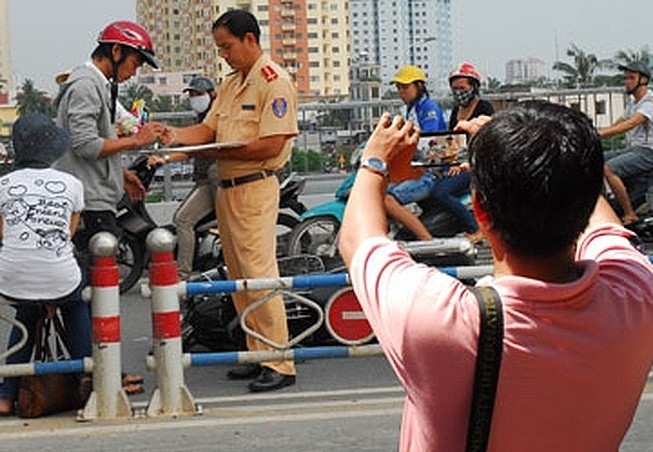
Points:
point(128, 379)
point(133, 388)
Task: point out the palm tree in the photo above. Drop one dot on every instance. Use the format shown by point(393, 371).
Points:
point(627, 56)
point(493, 84)
point(581, 72)
point(32, 100)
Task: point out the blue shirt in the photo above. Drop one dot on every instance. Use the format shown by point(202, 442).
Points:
point(428, 115)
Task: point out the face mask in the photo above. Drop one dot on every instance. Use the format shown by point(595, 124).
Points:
point(464, 97)
point(199, 104)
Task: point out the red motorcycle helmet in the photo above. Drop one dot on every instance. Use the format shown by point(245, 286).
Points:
point(465, 70)
point(131, 35)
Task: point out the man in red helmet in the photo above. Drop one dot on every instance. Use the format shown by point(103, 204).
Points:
point(86, 109)
point(86, 106)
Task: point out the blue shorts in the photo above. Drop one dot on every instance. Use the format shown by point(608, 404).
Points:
point(631, 162)
point(415, 189)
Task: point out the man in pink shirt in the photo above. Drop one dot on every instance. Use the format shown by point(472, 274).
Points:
point(577, 295)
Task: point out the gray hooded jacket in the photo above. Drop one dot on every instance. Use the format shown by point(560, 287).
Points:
point(83, 110)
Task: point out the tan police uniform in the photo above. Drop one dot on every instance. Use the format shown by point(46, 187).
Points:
point(247, 202)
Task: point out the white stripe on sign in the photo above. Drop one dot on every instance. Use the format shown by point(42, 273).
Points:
point(353, 315)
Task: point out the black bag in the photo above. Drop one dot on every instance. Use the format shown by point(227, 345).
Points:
point(39, 395)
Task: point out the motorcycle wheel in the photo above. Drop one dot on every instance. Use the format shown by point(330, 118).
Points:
point(315, 236)
point(285, 224)
point(131, 261)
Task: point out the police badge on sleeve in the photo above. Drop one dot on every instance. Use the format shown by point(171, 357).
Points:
point(279, 107)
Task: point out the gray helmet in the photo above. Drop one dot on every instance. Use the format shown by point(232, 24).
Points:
point(636, 66)
point(200, 84)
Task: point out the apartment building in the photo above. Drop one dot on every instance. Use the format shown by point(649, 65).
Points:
point(6, 74)
point(524, 70)
point(393, 33)
point(309, 38)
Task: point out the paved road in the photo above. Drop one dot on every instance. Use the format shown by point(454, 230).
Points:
point(336, 405)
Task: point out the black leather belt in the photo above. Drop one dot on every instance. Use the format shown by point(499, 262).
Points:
point(227, 183)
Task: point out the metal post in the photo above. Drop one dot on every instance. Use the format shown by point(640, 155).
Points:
point(108, 399)
point(171, 396)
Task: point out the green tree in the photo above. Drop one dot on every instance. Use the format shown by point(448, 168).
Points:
point(134, 92)
point(493, 84)
point(162, 103)
point(32, 100)
point(627, 56)
point(579, 73)
point(309, 161)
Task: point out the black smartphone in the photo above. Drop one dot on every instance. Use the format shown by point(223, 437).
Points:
point(439, 148)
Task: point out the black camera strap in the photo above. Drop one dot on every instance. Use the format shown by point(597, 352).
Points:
point(488, 363)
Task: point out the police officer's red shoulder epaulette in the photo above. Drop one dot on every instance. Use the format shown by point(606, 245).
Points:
point(269, 73)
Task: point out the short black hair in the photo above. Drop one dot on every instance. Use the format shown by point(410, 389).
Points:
point(105, 50)
point(537, 169)
point(239, 22)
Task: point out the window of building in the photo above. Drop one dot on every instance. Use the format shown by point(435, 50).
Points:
point(335, 35)
point(334, 21)
point(313, 49)
point(262, 7)
point(312, 21)
point(335, 49)
point(314, 64)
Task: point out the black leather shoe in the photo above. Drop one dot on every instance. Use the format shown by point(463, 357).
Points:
point(269, 380)
point(244, 372)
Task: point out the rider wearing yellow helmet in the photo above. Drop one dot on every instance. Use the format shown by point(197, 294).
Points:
point(420, 108)
point(427, 114)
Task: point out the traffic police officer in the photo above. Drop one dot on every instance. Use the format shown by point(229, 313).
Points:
point(255, 106)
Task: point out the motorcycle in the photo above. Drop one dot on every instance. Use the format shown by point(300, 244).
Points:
point(317, 233)
point(640, 192)
point(136, 223)
point(210, 322)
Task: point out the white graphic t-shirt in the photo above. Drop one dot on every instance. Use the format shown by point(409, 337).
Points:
point(36, 257)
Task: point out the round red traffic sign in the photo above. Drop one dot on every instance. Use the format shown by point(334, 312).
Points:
point(345, 319)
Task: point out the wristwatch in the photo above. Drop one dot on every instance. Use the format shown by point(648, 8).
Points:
point(376, 165)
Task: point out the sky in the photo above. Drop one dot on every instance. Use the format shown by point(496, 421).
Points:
point(48, 36)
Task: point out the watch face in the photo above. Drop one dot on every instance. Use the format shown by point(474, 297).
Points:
point(376, 164)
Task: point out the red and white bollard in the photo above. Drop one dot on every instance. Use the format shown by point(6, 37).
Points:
point(108, 399)
point(171, 396)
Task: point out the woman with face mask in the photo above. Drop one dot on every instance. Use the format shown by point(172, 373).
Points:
point(465, 82)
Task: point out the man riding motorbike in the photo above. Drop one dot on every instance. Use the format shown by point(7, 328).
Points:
point(637, 157)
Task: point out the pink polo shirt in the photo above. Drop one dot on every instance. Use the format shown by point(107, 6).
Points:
point(575, 356)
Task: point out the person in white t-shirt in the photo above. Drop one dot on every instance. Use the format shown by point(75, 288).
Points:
point(637, 157)
point(577, 294)
point(39, 211)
